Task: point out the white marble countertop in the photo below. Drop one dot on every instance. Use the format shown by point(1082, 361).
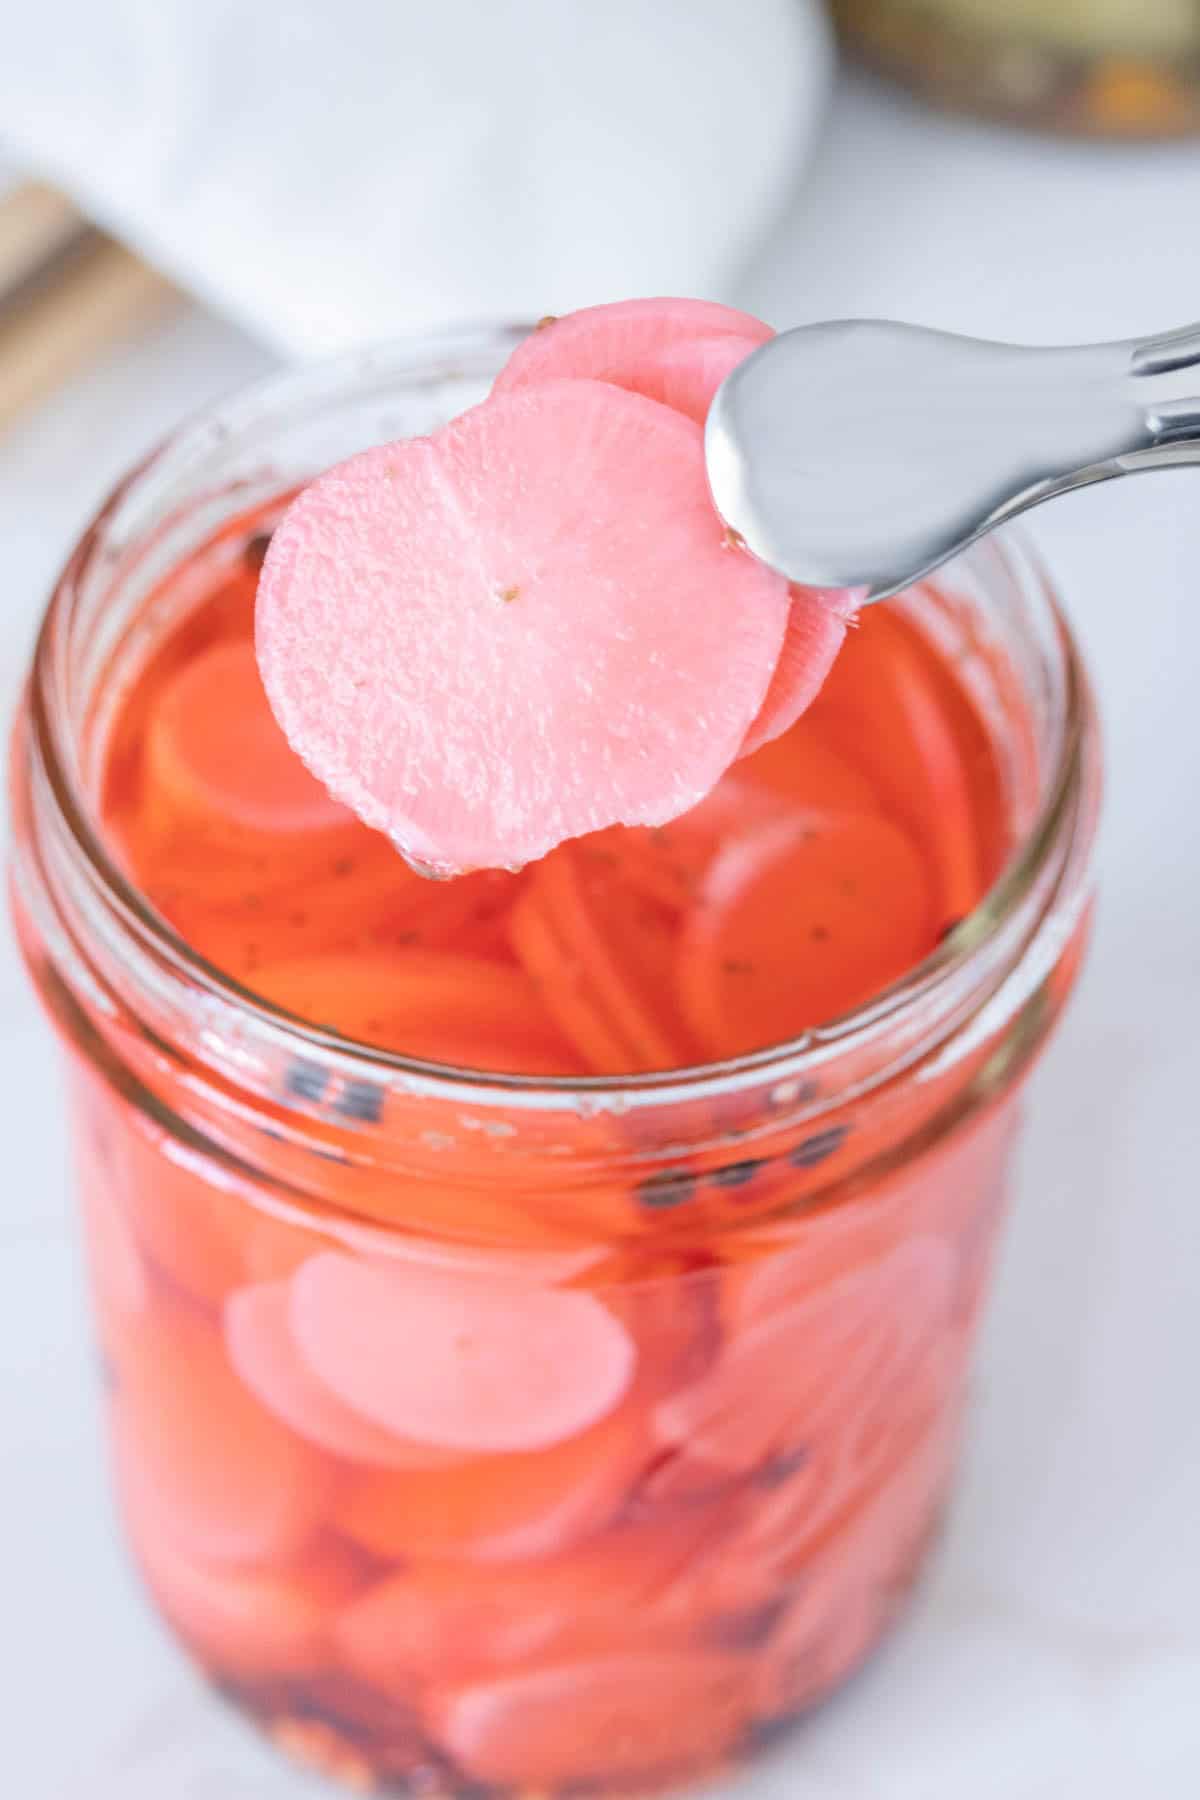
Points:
point(1055, 1649)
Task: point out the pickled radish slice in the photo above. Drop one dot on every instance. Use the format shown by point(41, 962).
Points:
point(436, 1621)
point(849, 1461)
point(366, 901)
point(814, 1367)
point(772, 1388)
point(651, 348)
point(261, 1348)
point(198, 1221)
point(624, 341)
point(248, 1623)
point(685, 376)
point(520, 630)
point(800, 922)
point(436, 1004)
point(598, 1720)
point(229, 1482)
point(799, 765)
point(880, 708)
point(667, 863)
point(430, 1621)
point(950, 1198)
point(816, 631)
point(216, 757)
point(503, 1508)
point(458, 1360)
point(597, 951)
point(241, 1622)
point(921, 1401)
point(844, 1597)
point(674, 1311)
point(796, 1517)
point(579, 1006)
point(807, 1254)
point(821, 1637)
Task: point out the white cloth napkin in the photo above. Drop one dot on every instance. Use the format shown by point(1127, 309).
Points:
point(330, 171)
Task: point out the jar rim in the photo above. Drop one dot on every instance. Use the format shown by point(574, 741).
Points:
point(926, 986)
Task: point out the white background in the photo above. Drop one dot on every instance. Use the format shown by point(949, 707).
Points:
point(1055, 1649)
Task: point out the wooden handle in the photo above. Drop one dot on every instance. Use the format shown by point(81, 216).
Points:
point(37, 224)
point(66, 305)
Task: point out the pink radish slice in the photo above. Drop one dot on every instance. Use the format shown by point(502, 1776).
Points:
point(262, 1350)
point(846, 1348)
point(250, 1623)
point(798, 767)
point(496, 1509)
point(272, 1621)
point(652, 347)
point(243, 778)
point(610, 342)
point(611, 1723)
point(816, 631)
point(525, 628)
point(798, 922)
point(684, 374)
point(229, 1482)
point(459, 1361)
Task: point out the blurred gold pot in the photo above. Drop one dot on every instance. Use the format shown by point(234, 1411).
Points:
point(1109, 68)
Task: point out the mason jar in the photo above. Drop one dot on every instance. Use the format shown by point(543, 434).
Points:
point(791, 1248)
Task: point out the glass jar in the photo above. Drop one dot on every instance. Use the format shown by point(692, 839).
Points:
point(1109, 68)
point(750, 1290)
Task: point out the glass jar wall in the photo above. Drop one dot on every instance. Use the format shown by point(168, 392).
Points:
point(722, 1317)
